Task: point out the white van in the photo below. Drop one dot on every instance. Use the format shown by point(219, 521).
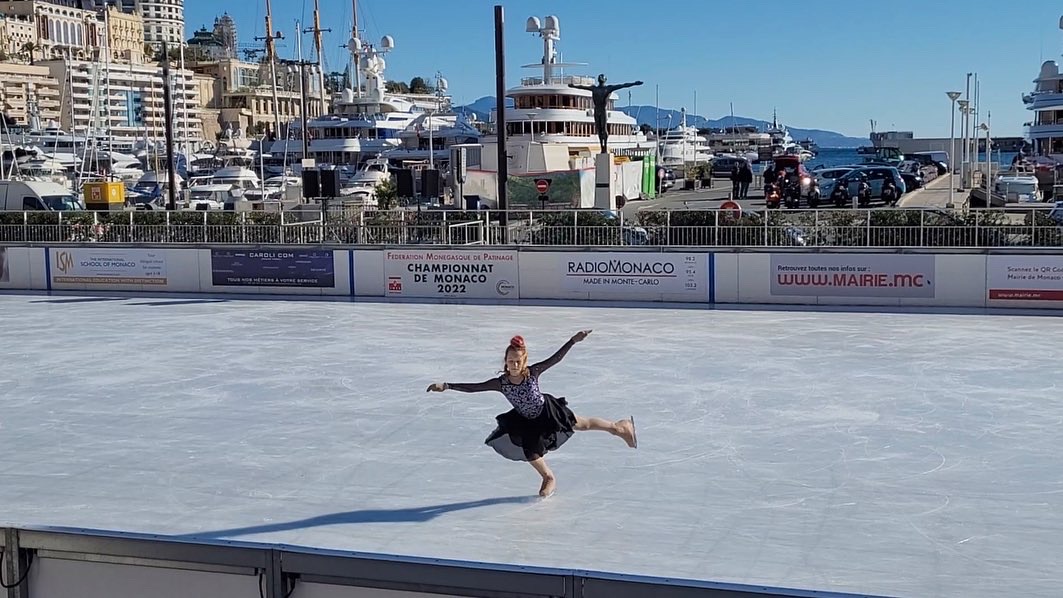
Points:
point(23, 196)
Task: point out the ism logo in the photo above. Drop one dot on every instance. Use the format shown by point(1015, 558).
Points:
point(64, 261)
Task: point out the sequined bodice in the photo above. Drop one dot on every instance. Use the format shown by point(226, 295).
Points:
point(525, 397)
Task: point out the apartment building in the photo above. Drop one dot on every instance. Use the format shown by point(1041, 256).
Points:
point(164, 20)
point(125, 101)
point(27, 90)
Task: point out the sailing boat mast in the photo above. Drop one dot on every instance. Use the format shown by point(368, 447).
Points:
point(317, 30)
point(271, 56)
point(356, 80)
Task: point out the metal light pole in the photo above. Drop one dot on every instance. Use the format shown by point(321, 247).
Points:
point(299, 66)
point(964, 105)
point(167, 101)
point(500, 119)
point(441, 89)
point(953, 96)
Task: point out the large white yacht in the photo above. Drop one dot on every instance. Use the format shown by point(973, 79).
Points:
point(1045, 131)
point(364, 121)
point(430, 136)
point(683, 145)
point(741, 141)
point(546, 111)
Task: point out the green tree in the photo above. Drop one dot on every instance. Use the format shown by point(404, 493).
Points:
point(387, 194)
point(396, 87)
point(418, 85)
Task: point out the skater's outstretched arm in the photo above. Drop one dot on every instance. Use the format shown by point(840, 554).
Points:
point(556, 358)
point(487, 385)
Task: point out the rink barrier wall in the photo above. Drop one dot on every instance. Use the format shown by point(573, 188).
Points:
point(1028, 279)
point(44, 563)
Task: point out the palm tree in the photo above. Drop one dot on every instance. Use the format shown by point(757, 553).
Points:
point(27, 51)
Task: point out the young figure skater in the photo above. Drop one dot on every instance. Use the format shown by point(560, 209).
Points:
point(539, 422)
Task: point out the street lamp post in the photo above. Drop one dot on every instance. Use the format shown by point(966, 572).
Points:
point(953, 96)
point(441, 89)
point(988, 163)
point(964, 105)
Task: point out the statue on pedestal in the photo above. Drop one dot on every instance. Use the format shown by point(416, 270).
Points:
point(600, 97)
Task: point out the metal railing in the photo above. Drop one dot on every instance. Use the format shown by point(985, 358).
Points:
point(582, 228)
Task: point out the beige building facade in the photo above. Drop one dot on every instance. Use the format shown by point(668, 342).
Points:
point(244, 99)
point(60, 30)
point(126, 102)
point(16, 33)
point(126, 36)
point(26, 89)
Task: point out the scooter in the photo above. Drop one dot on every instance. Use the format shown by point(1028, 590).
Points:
point(840, 194)
point(889, 193)
point(792, 193)
point(813, 194)
point(772, 195)
point(863, 195)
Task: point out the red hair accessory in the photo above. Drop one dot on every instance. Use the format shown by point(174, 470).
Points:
point(517, 341)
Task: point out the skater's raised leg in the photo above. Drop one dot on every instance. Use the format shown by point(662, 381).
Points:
point(549, 483)
point(624, 428)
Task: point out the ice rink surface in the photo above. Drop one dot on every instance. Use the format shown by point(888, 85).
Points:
point(906, 455)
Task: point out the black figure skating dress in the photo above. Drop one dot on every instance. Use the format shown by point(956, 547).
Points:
point(538, 422)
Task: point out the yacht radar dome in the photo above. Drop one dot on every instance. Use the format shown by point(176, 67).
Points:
point(387, 42)
point(533, 25)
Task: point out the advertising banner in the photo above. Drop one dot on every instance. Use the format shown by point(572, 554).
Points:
point(482, 274)
point(882, 275)
point(304, 268)
point(1025, 277)
point(109, 266)
point(631, 275)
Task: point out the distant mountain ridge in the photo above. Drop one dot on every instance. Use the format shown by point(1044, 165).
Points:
point(649, 115)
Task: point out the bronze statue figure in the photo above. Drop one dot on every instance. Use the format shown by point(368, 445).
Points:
point(600, 96)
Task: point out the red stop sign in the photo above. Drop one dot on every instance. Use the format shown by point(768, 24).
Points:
point(542, 185)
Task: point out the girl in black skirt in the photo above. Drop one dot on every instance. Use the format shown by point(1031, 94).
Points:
point(538, 422)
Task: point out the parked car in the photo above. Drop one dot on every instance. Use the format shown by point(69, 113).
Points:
point(912, 173)
point(875, 176)
point(721, 167)
point(827, 176)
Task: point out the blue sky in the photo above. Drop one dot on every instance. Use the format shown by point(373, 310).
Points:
point(829, 64)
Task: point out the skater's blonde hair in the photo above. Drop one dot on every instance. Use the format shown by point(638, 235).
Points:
point(517, 347)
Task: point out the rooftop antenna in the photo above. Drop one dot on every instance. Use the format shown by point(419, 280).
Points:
point(551, 33)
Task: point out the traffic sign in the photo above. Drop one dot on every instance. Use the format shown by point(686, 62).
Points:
point(731, 209)
point(542, 185)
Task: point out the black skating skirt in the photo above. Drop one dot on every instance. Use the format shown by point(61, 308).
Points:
point(520, 438)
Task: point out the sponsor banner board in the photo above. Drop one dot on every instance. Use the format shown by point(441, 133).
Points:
point(303, 268)
point(108, 266)
point(880, 275)
point(1025, 277)
point(469, 274)
point(634, 274)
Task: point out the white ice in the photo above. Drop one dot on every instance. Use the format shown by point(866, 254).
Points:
point(899, 454)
